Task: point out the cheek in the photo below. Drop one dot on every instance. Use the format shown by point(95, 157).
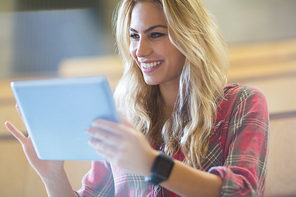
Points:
point(175, 57)
point(181, 59)
point(133, 52)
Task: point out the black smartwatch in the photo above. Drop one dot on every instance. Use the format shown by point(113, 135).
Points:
point(161, 169)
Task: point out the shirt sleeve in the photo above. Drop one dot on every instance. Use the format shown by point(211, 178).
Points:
point(244, 170)
point(98, 181)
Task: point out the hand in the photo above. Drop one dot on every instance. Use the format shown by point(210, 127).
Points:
point(123, 146)
point(45, 169)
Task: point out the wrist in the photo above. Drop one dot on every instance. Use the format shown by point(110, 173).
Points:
point(58, 185)
point(55, 177)
point(150, 162)
point(161, 169)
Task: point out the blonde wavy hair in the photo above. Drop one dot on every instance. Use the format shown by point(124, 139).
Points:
point(192, 30)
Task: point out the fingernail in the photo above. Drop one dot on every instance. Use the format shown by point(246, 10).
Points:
point(87, 130)
point(90, 142)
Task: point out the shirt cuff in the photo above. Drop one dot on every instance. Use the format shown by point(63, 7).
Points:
point(77, 194)
point(237, 181)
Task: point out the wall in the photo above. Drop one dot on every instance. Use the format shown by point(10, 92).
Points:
point(253, 20)
point(240, 22)
point(5, 36)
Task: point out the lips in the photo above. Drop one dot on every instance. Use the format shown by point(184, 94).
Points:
point(151, 65)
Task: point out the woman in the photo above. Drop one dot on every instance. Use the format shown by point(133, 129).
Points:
point(174, 99)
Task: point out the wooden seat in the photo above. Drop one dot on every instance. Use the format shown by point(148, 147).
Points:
point(18, 177)
point(262, 60)
point(281, 171)
point(110, 66)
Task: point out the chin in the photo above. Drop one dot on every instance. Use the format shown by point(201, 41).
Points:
point(151, 82)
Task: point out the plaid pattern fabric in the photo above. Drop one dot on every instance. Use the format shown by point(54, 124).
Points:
point(237, 153)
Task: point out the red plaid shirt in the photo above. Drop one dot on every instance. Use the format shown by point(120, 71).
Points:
point(237, 153)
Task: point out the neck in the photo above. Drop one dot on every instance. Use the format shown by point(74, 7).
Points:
point(169, 95)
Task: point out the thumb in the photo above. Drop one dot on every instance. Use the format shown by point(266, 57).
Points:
point(15, 132)
point(125, 121)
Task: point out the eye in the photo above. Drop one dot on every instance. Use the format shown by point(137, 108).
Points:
point(134, 36)
point(156, 35)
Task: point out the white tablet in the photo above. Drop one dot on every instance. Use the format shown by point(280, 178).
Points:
point(57, 112)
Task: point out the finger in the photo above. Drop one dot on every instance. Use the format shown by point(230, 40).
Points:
point(112, 127)
point(15, 132)
point(18, 110)
point(105, 155)
point(104, 136)
point(103, 149)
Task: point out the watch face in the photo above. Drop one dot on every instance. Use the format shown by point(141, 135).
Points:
point(161, 169)
point(164, 168)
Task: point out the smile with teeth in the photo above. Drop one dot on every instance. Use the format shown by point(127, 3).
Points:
point(150, 65)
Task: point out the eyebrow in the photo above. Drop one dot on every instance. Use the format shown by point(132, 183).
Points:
point(148, 29)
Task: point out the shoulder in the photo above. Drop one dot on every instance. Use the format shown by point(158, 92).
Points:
point(242, 98)
point(241, 93)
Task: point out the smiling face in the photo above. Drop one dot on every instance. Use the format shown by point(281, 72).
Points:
point(160, 61)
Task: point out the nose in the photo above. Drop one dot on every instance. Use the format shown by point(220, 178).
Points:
point(143, 48)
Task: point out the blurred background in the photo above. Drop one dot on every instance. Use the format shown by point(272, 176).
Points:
point(67, 38)
point(36, 35)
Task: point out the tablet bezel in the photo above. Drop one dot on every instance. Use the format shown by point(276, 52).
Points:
point(57, 111)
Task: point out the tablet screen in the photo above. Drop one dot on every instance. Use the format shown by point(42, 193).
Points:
point(57, 112)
